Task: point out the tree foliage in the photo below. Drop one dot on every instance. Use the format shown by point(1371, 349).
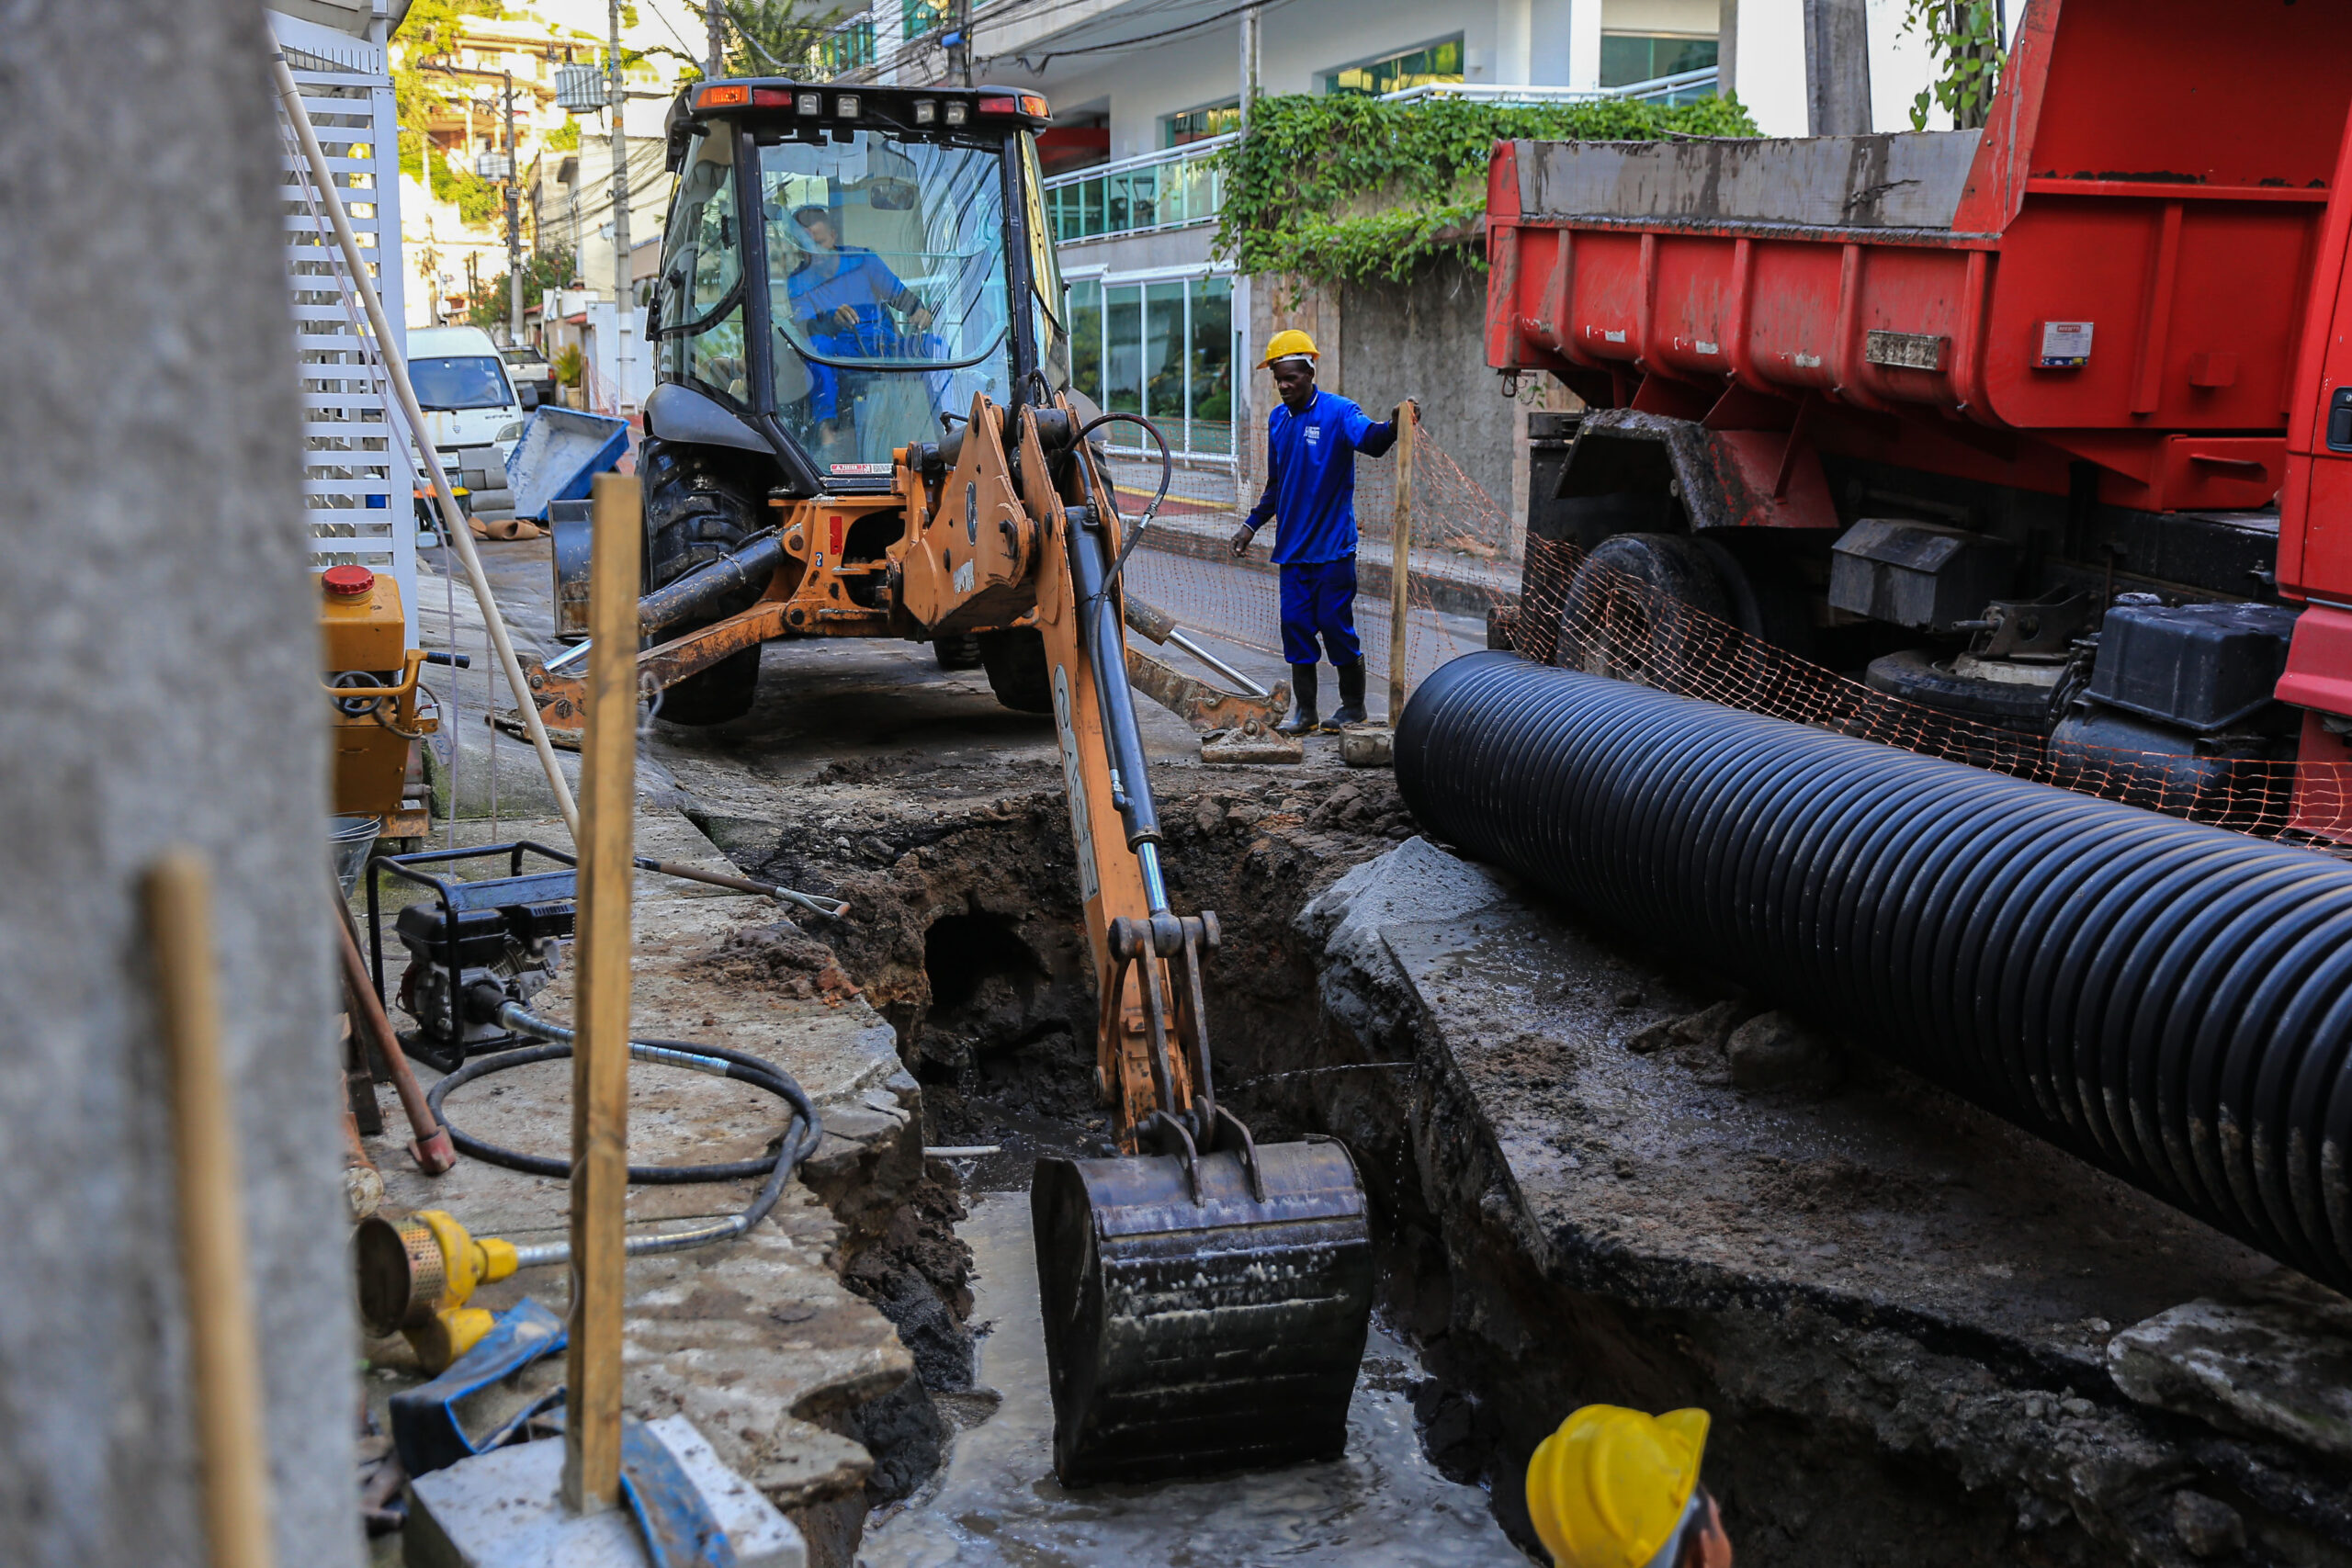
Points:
point(1334, 188)
point(542, 270)
point(1965, 38)
point(774, 37)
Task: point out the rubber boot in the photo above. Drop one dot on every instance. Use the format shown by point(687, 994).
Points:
point(1302, 720)
point(1351, 708)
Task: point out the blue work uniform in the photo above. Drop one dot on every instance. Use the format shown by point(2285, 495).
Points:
point(855, 276)
point(1311, 493)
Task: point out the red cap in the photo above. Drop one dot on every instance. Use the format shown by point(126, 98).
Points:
point(347, 582)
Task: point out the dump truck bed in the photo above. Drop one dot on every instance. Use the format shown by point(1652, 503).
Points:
point(2116, 268)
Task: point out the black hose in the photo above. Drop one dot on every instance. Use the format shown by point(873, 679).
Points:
point(800, 1135)
point(1167, 476)
point(2169, 1000)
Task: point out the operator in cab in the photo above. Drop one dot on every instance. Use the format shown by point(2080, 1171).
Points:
point(841, 295)
point(1616, 1488)
point(1312, 437)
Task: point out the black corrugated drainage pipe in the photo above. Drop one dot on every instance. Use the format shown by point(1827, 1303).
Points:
point(2171, 1001)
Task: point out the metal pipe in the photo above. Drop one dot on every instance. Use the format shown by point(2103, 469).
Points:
point(1232, 677)
point(2168, 1000)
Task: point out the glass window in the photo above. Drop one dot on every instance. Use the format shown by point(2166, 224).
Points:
point(1440, 62)
point(702, 314)
point(1199, 125)
point(472, 381)
point(1143, 198)
point(1212, 364)
point(1123, 349)
point(921, 16)
point(1163, 356)
point(1045, 271)
point(1627, 57)
point(1115, 208)
point(886, 287)
point(1086, 338)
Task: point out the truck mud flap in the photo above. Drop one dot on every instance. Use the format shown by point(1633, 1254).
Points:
point(1196, 1321)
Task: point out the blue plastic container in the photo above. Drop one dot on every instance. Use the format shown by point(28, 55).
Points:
point(561, 451)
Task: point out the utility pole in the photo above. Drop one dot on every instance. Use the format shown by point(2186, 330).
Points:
point(714, 21)
point(1248, 64)
point(514, 221)
point(617, 100)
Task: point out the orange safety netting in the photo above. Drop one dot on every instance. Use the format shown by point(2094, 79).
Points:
point(1466, 577)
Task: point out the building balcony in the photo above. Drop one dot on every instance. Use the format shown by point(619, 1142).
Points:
point(1139, 196)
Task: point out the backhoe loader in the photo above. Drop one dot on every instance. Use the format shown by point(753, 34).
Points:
point(863, 427)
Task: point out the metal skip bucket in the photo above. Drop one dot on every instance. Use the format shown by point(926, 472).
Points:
point(1189, 1331)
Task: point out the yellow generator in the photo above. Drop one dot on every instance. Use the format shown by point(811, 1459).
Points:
point(371, 678)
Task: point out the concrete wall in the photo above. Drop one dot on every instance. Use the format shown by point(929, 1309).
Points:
point(156, 626)
point(1427, 339)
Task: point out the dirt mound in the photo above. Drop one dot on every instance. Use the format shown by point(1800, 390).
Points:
point(782, 958)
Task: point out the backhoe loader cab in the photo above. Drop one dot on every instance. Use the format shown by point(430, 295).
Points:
point(844, 270)
point(844, 265)
point(861, 428)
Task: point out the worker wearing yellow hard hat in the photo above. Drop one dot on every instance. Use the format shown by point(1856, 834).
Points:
point(1312, 439)
point(1615, 1488)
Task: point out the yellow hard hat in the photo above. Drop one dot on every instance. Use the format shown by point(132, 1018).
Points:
point(1288, 342)
point(1608, 1488)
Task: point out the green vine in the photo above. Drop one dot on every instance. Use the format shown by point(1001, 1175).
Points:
point(1333, 188)
point(1965, 38)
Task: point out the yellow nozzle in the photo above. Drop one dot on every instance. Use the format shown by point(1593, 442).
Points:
point(416, 1276)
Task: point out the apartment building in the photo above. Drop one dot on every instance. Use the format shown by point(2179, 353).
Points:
point(1145, 92)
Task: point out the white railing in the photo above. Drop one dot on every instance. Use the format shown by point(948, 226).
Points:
point(1679, 88)
point(1134, 196)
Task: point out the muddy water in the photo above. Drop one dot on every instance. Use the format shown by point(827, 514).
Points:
point(996, 1501)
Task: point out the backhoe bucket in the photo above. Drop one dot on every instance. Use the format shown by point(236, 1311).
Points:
point(1188, 1334)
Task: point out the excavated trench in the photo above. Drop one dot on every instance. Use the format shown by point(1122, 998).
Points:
point(1844, 1435)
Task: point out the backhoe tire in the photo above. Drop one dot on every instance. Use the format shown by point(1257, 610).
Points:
point(694, 517)
point(958, 650)
point(1015, 660)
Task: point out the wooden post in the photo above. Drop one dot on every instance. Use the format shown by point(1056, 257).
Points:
point(592, 1432)
point(1400, 555)
point(232, 1446)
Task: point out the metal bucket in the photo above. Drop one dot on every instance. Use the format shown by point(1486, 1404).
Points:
point(350, 840)
point(1191, 1330)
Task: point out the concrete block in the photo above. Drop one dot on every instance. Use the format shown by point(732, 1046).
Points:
point(2282, 1369)
point(1368, 746)
point(502, 1510)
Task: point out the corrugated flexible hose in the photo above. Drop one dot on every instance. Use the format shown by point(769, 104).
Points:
point(2171, 1001)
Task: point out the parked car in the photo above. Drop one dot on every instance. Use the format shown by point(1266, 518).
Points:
point(534, 378)
point(463, 387)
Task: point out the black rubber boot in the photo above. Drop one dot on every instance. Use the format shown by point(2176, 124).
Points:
point(1302, 719)
point(1351, 708)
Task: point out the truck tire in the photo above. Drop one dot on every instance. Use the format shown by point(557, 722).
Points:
point(693, 516)
point(1913, 675)
point(958, 650)
point(1627, 610)
point(1015, 660)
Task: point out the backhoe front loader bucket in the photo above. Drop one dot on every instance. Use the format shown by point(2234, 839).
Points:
point(1197, 1320)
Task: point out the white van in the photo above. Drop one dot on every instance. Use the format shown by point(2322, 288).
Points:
point(462, 385)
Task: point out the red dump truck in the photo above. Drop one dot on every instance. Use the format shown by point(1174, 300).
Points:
point(2047, 426)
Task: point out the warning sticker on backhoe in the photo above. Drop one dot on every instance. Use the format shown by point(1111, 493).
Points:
point(2065, 346)
point(1074, 786)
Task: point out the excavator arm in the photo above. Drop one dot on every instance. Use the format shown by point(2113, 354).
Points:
point(1206, 1296)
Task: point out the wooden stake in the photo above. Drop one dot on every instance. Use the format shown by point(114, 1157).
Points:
point(231, 1440)
point(1400, 553)
point(591, 1431)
